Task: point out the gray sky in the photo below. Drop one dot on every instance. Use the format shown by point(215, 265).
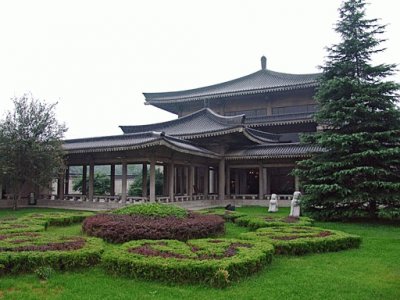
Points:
point(97, 57)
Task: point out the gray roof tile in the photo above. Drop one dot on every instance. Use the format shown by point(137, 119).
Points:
point(259, 82)
point(289, 150)
point(131, 142)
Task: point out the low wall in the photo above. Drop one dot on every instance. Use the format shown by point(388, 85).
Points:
point(98, 206)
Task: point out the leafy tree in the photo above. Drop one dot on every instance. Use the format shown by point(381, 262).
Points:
point(101, 184)
point(360, 170)
point(30, 146)
point(135, 189)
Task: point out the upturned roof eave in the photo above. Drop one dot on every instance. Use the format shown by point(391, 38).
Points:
point(172, 100)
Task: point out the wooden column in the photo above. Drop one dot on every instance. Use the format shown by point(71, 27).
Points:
point(221, 179)
point(112, 180)
point(67, 181)
point(237, 182)
point(165, 180)
point(187, 180)
point(206, 182)
point(228, 182)
point(84, 178)
point(124, 181)
point(191, 181)
point(181, 189)
point(60, 188)
point(171, 181)
point(91, 181)
point(260, 182)
point(144, 180)
point(152, 180)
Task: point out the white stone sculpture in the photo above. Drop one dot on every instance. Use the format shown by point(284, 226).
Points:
point(295, 205)
point(273, 203)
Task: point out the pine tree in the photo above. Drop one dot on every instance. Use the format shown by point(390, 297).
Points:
point(358, 175)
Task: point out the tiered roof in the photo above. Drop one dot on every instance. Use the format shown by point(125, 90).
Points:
point(260, 82)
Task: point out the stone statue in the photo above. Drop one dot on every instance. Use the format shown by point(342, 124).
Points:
point(295, 205)
point(273, 203)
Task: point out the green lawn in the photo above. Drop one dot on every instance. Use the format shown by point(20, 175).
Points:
point(371, 272)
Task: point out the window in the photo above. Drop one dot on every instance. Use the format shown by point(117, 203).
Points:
point(297, 109)
point(251, 113)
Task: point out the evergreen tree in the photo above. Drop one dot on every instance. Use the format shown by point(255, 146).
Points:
point(358, 175)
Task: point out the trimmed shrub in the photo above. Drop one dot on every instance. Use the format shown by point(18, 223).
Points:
point(56, 218)
point(152, 210)
point(122, 228)
point(226, 214)
point(11, 225)
point(298, 240)
point(256, 222)
point(215, 262)
point(20, 252)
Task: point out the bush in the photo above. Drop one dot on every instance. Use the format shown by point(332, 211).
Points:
point(152, 210)
point(122, 228)
point(11, 225)
point(298, 240)
point(44, 272)
point(56, 218)
point(215, 262)
point(40, 221)
point(272, 221)
point(226, 214)
point(20, 252)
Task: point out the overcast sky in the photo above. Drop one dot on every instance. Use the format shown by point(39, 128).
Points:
point(95, 58)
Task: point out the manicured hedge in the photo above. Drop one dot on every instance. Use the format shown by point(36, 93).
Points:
point(298, 240)
point(14, 225)
point(56, 218)
point(215, 262)
point(152, 210)
point(20, 252)
point(226, 214)
point(255, 222)
point(122, 228)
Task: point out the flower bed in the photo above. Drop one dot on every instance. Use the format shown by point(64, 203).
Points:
point(216, 262)
point(298, 240)
point(25, 251)
point(122, 228)
point(14, 225)
point(272, 221)
point(56, 218)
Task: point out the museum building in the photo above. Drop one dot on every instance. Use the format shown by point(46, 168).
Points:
point(233, 140)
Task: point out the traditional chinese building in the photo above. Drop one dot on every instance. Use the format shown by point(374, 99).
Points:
point(233, 140)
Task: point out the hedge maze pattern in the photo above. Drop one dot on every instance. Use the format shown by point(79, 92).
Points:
point(272, 221)
point(24, 244)
point(216, 262)
point(298, 240)
point(162, 243)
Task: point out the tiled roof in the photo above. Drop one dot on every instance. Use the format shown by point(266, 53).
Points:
point(202, 121)
point(132, 142)
point(261, 81)
point(289, 150)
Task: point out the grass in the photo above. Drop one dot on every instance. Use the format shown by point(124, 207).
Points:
point(370, 272)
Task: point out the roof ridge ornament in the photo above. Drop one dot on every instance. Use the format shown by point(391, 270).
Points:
point(263, 63)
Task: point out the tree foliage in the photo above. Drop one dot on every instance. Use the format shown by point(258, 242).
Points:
point(135, 189)
point(30, 145)
point(360, 170)
point(101, 184)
